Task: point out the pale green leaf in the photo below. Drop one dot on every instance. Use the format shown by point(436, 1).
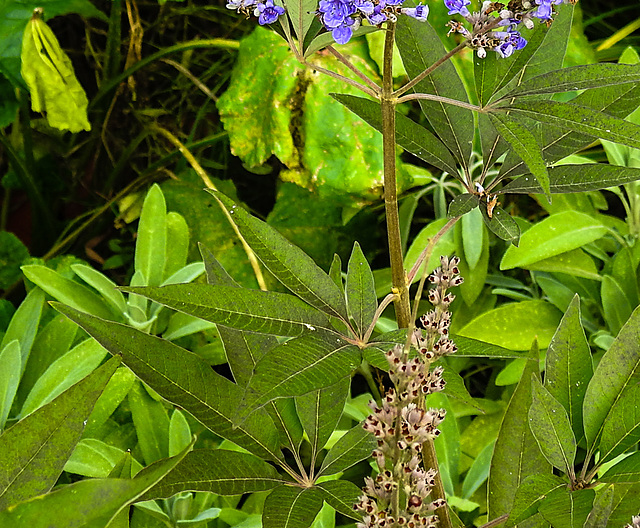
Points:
point(360, 290)
point(10, 367)
point(152, 238)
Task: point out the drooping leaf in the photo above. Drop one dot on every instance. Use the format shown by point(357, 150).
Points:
point(530, 495)
point(502, 224)
point(52, 83)
point(289, 264)
point(241, 308)
point(106, 497)
point(291, 507)
point(555, 234)
point(299, 366)
point(577, 78)
point(551, 428)
point(569, 366)
point(564, 508)
point(410, 135)
point(516, 455)
point(152, 237)
point(185, 379)
point(360, 290)
point(218, 471)
point(419, 45)
point(35, 449)
point(354, 446)
point(618, 369)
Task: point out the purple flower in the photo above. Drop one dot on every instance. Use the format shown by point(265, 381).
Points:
point(378, 16)
point(419, 12)
point(513, 41)
point(457, 7)
point(268, 13)
point(334, 12)
point(364, 6)
point(342, 34)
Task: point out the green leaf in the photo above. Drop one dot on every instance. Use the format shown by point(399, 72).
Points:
point(478, 472)
point(301, 13)
point(410, 135)
point(602, 506)
point(447, 444)
point(576, 178)
point(12, 251)
point(298, 366)
point(354, 446)
point(320, 412)
point(34, 450)
point(569, 366)
point(360, 290)
point(418, 44)
point(579, 119)
point(473, 237)
point(151, 423)
point(530, 494)
point(284, 416)
point(621, 428)
point(177, 243)
point(241, 308)
point(291, 507)
point(10, 366)
point(63, 373)
point(556, 234)
point(524, 145)
point(341, 495)
point(23, 326)
point(477, 348)
point(575, 262)
point(152, 238)
point(564, 508)
point(49, 75)
point(105, 286)
point(627, 470)
point(615, 304)
point(217, 471)
point(462, 204)
point(516, 455)
point(618, 369)
point(105, 497)
point(625, 504)
point(67, 291)
point(577, 78)
point(186, 380)
point(289, 264)
point(502, 224)
point(113, 394)
point(93, 458)
point(551, 428)
point(445, 246)
point(515, 325)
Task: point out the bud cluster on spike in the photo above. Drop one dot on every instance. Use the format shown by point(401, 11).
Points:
point(401, 424)
point(500, 34)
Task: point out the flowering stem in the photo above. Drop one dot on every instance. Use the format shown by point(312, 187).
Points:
point(388, 105)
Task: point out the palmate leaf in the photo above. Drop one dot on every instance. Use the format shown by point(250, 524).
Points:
point(291, 507)
point(34, 451)
point(341, 495)
point(186, 380)
point(354, 446)
point(410, 135)
point(298, 366)
point(218, 471)
point(617, 370)
point(575, 178)
point(101, 500)
point(291, 266)
point(241, 308)
point(577, 78)
point(419, 44)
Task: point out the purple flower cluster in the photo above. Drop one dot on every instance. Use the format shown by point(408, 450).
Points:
point(266, 11)
point(545, 11)
point(343, 17)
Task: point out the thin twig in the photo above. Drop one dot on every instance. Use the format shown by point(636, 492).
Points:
point(203, 87)
point(495, 522)
point(383, 305)
point(352, 67)
point(335, 75)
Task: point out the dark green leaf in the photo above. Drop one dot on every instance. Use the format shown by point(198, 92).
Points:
point(218, 471)
point(564, 508)
point(285, 417)
point(627, 470)
point(356, 445)
point(299, 366)
point(34, 451)
point(615, 304)
point(530, 494)
point(524, 145)
point(410, 135)
point(577, 78)
point(419, 44)
point(152, 424)
point(569, 367)
point(502, 225)
point(241, 308)
point(186, 380)
point(320, 411)
point(475, 348)
point(291, 507)
point(550, 426)
point(462, 204)
point(289, 264)
point(625, 504)
point(360, 290)
point(341, 495)
point(621, 428)
point(602, 506)
point(618, 369)
point(301, 13)
point(516, 455)
point(12, 251)
point(579, 119)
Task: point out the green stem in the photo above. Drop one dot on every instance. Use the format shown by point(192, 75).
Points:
point(388, 104)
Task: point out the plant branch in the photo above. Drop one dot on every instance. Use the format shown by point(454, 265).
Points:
point(381, 308)
point(352, 67)
point(496, 522)
point(441, 99)
point(342, 78)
